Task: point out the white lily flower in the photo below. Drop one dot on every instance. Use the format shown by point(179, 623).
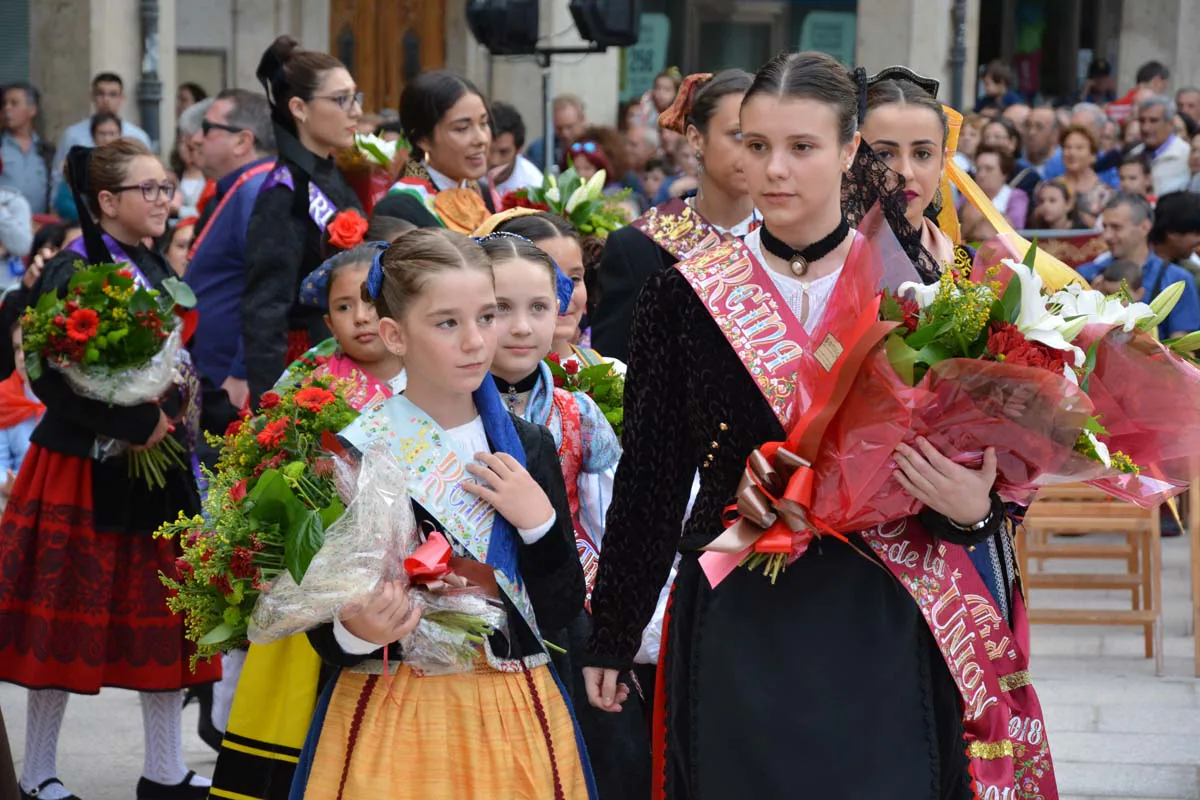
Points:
point(577, 197)
point(552, 180)
point(1034, 319)
point(594, 187)
point(923, 293)
point(1076, 301)
point(379, 150)
point(1101, 449)
point(552, 194)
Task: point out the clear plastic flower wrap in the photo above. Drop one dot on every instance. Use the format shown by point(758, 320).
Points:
point(362, 548)
point(127, 387)
point(367, 545)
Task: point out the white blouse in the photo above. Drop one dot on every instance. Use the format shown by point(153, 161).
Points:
point(806, 298)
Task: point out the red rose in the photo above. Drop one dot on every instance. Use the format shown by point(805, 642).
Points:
point(71, 306)
point(183, 568)
point(273, 434)
point(314, 398)
point(268, 401)
point(60, 320)
point(559, 382)
point(911, 314)
point(346, 229)
point(237, 492)
point(555, 357)
point(83, 324)
point(571, 367)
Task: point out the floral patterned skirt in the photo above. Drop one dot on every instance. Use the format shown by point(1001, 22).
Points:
point(82, 609)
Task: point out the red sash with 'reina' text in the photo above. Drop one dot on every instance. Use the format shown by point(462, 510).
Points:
point(803, 376)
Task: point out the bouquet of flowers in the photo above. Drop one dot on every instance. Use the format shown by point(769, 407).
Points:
point(377, 539)
point(116, 340)
point(582, 203)
point(1066, 386)
point(371, 166)
point(600, 382)
point(273, 494)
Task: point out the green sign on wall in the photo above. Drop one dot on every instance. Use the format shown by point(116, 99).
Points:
point(647, 58)
point(832, 32)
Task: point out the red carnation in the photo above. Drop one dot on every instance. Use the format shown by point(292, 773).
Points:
point(1006, 343)
point(237, 492)
point(221, 583)
point(910, 314)
point(268, 401)
point(83, 324)
point(234, 428)
point(571, 367)
point(273, 434)
point(242, 563)
point(314, 398)
point(183, 567)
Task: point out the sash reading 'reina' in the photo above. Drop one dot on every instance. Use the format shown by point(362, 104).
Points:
point(679, 229)
point(800, 375)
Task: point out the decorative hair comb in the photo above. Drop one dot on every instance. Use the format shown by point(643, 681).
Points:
point(898, 72)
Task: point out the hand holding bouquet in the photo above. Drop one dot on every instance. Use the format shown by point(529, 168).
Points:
point(116, 340)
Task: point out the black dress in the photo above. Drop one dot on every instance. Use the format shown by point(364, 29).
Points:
point(827, 684)
point(283, 245)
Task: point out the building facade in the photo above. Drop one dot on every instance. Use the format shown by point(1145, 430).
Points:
point(60, 44)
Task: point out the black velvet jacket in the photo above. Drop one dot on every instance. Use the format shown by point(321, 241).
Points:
point(549, 567)
point(688, 396)
point(283, 245)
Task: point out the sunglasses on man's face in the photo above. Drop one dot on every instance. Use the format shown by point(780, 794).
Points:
point(207, 127)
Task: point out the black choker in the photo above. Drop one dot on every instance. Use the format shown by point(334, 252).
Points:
point(799, 260)
point(510, 391)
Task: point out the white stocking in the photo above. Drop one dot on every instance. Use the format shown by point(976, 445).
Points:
point(224, 689)
point(162, 721)
point(43, 722)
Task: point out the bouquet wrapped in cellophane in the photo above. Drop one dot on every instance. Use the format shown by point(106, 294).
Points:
point(378, 540)
point(371, 166)
point(1066, 385)
point(117, 340)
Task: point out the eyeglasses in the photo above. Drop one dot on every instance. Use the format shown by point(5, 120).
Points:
point(585, 147)
point(208, 127)
point(151, 190)
point(344, 101)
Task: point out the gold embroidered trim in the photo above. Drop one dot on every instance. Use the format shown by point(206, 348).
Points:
point(829, 352)
point(990, 750)
point(1015, 680)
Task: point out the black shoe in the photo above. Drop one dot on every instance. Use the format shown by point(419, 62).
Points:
point(153, 790)
point(36, 793)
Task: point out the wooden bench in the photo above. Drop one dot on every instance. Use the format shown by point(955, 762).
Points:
point(1061, 525)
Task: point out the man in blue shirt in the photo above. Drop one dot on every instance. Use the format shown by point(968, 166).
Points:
point(108, 95)
point(236, 143)
point(1127, 221)
point(25, 155)
point(569, 123)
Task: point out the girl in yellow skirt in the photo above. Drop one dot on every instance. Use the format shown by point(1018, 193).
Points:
point(491, 483)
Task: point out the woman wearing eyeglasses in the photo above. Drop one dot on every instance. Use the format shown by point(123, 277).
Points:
point(81, 603)
point(315, 106)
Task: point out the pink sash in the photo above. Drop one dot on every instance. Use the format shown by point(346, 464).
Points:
point(1002, 718)
point(679, 229)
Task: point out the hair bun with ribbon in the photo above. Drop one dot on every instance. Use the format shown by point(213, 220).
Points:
point(675, 118)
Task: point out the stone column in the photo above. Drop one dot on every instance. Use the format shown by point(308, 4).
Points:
point(1165, 32)
point(917, 34)
point(60, 61)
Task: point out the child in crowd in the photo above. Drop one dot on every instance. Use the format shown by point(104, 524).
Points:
point(20, 412)
point(1135, 177)
point(1122, 272)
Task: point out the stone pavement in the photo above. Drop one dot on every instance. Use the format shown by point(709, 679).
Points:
point(1117, 731)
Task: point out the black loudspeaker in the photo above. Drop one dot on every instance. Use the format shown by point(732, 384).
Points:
point(609, 23)
point(505, 27)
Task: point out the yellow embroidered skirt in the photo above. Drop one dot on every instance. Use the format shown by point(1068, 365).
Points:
point(470, 735)
point(271, 715)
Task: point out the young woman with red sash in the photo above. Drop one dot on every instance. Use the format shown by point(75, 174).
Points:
point(315, 106)
point(861, 672)
point(706, 112)
point(81, 603)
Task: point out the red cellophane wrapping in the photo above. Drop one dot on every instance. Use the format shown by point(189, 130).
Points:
point(1032, 417)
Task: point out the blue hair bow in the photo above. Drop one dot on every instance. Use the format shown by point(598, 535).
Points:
point(314, 292)
point(564, 287)
point(375, 274)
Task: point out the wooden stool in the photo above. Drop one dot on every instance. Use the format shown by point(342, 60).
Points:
point(1081, 510)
